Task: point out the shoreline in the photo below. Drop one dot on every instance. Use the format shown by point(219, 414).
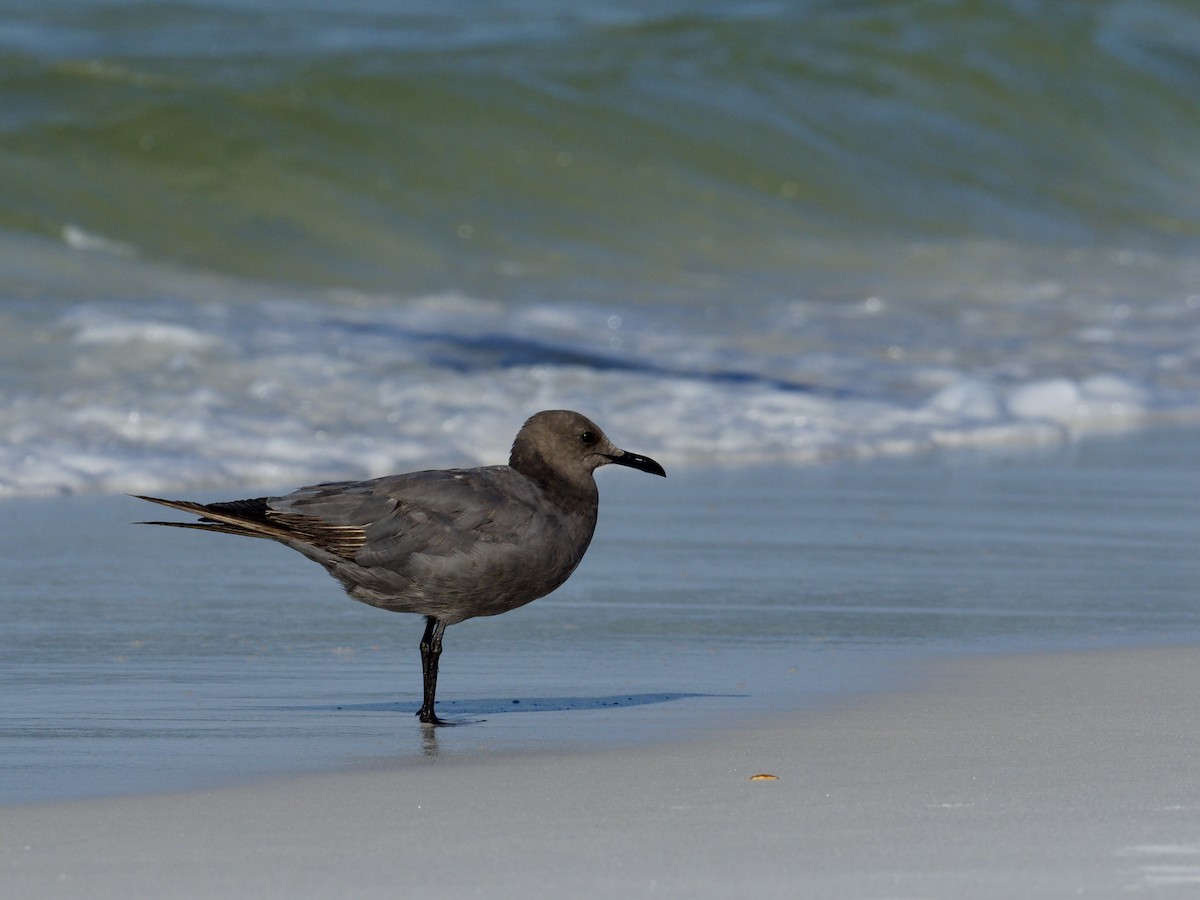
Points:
point(1035, 775)
point(144, 660)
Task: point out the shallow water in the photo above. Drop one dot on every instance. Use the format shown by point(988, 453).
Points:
point(243, 245)
point(138, 659)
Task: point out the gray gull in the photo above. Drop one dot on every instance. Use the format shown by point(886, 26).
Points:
point(446, 544)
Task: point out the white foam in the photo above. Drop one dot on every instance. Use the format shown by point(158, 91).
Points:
point(91, 326)
point(1057, 399)
point(969, 399)
point(180, 393)
point(1097, 400)
point(78, 239)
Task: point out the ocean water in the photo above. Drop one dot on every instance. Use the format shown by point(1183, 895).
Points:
point(246, 242)
point(139, 659)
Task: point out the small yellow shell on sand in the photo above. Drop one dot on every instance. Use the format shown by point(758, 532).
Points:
point(763, 776)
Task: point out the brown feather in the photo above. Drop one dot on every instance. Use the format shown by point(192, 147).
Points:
point(289, 528)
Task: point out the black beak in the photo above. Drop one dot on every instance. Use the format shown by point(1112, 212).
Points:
point(641, 463)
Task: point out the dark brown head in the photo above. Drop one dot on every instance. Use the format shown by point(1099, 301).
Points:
point(560, 445)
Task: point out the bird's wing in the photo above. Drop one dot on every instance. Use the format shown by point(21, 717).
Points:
point(435, 513)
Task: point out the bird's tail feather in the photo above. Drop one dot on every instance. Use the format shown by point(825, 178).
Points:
point(246, 518)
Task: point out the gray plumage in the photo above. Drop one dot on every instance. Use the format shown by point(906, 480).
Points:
point(446, 544)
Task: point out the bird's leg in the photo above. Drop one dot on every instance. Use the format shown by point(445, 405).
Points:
point(431, 649)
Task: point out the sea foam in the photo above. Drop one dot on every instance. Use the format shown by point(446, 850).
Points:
point(178, 393)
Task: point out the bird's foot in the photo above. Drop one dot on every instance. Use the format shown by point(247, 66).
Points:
point(429, 717)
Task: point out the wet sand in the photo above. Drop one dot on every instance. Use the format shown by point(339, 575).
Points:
point(1032, 775)
point(244, 730)
point(141, 660)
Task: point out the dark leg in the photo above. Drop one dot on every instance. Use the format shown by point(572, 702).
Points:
point(431, 649)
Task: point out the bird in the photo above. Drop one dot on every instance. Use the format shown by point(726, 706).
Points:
point(446, 544)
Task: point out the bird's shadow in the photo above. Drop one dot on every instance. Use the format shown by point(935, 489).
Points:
point(492, 707)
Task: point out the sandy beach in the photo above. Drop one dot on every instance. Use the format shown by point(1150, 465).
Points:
point(191, 717)
point(1033, 776)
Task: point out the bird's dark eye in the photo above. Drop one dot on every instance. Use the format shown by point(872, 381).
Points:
point(589, 438)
